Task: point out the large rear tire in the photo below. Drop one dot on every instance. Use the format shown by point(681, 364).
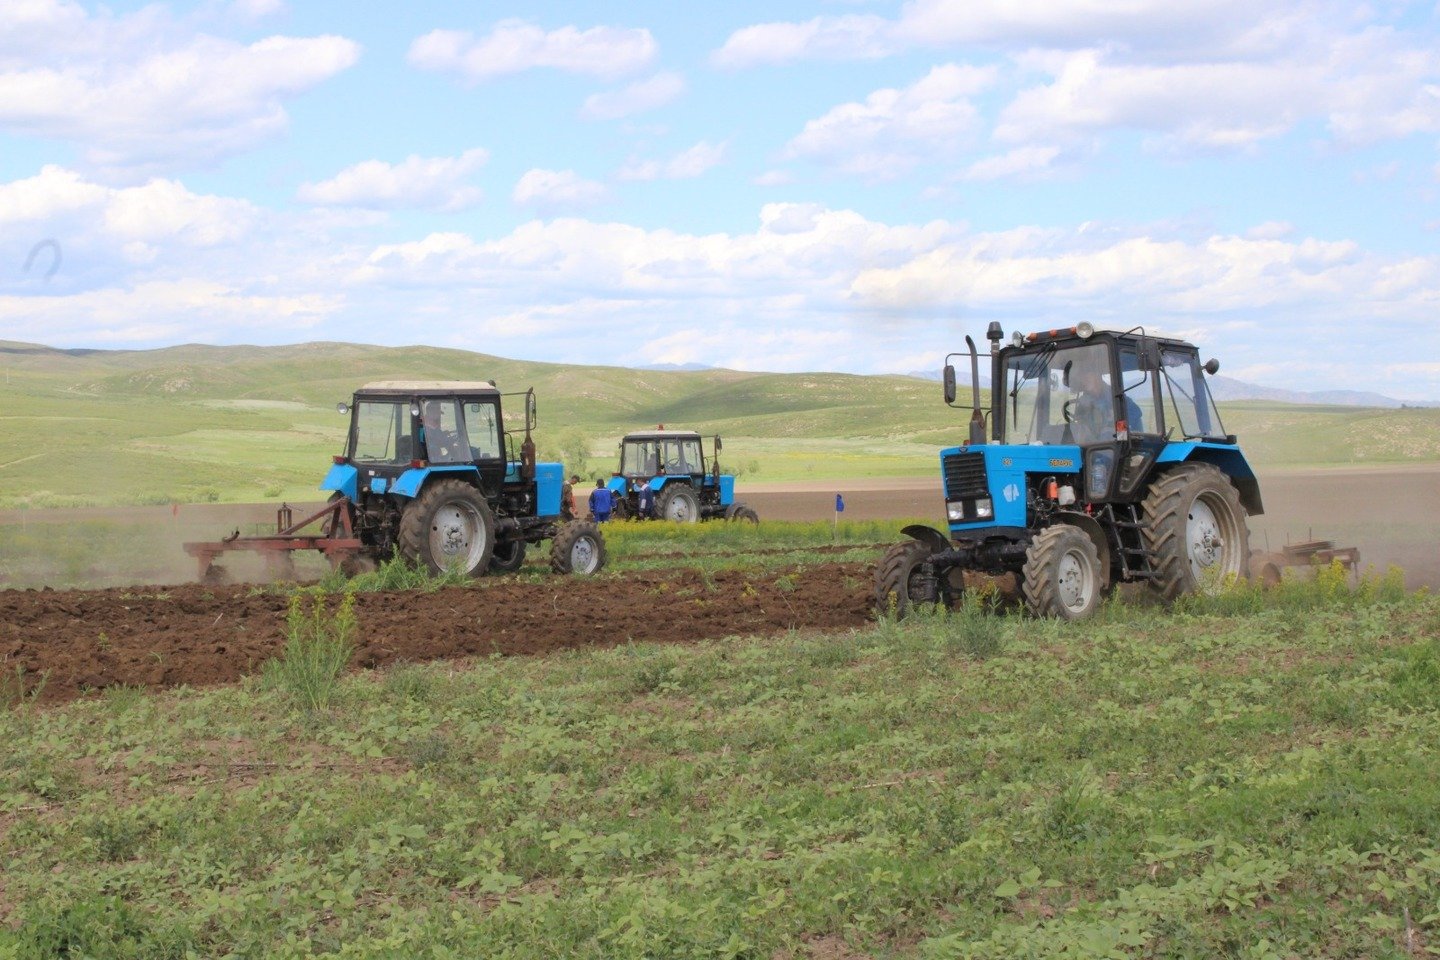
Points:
point(898, 589)
point(1062, 576)
point(449, 526)
point(1195, 525)
point(578, 548)
point(677, 502)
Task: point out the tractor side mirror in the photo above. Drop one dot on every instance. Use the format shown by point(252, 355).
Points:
point(1149, 354)
point(342, 408)
point(718, 445)
point(1212, 366)
point(949, 377)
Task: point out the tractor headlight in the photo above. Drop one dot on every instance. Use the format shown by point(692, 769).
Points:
point(955, 510)
point(960, 511)
point(984, 509)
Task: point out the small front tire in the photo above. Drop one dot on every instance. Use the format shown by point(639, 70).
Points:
point(1062, 576)
point(898, 584)
point(508, 557)
point(741, 513)
point(579, 548)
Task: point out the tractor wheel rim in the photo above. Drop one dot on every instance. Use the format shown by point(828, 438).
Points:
point(1205, 538)
point(457, 535)
point(583, 555)
point(679, 509)
point(1075, 581)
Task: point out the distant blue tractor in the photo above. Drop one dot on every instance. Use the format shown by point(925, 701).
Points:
point(1104, 461)
point(686, 486)
point(429, 470)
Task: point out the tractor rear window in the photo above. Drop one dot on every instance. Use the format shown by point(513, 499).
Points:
point(382, 433)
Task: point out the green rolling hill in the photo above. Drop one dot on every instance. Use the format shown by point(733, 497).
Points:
point(197, 423)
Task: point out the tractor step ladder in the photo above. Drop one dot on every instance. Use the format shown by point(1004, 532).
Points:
point(1131, 570)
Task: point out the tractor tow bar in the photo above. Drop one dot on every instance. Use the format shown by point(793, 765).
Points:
point(336, 541)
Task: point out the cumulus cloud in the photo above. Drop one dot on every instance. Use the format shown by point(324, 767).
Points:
point(514, 46)
point(140, 94)
point(648, 94)
point(555, 191)
point(685, 165)
point(436, 183)
point(1018, 163)
point(895, 129)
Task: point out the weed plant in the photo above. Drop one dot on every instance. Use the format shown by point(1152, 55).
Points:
point(318, 646)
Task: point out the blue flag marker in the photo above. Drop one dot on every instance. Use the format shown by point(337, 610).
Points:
point(839, 503)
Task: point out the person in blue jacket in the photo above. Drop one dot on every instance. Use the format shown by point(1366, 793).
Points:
point(647, 500)
point(601, 502)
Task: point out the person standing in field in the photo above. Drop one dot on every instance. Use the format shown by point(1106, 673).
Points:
point(601, 502)
point(567, 497)
point(647, 500)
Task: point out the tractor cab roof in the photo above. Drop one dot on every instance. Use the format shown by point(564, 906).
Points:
point(662, 435)
point(1022, 340)
point(429, 388)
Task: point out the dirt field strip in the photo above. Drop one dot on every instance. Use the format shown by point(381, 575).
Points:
point(193, 635)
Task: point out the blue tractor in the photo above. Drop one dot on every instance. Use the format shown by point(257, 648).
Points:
point(1103, 461)
point(430, 470)
point(685, 484)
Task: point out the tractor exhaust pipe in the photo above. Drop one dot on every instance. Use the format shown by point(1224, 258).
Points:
point(977, 419)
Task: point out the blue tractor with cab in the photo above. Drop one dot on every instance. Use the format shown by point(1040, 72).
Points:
point(429, 470)
point(686, 485)
point(1102, 461)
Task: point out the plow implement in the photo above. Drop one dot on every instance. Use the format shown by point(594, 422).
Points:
point(335, 538)
point(1268, 566)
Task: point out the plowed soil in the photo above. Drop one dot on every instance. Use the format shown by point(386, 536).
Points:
point(194, 635)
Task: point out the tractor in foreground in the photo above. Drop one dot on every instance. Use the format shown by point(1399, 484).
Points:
point(429, 471)
point(686, 485)
point(1103, 461)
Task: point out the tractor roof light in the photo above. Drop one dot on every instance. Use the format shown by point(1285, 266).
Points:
point(1018, 339)
point(1084, 330)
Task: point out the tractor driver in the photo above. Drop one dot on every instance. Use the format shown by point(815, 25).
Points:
point(1092, 409)
point(440, 444)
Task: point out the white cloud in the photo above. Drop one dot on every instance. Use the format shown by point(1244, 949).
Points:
point(1173, 26)
point(685, 165)
point(1020, 162)
point(258, 9)
point(554, 191)
point(895, 129)
point(648, 94)
point(774, 178)
point(514, 46)
point(141, 95)
point(436, 183)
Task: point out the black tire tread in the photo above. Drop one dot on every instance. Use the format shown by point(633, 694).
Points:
point(565, 540)
point(1037, 578)
point(892, 575)
point(668, 493)
point(415, 523)
point(1165, 511)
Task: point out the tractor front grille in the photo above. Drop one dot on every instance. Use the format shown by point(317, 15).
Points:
point(965, 476)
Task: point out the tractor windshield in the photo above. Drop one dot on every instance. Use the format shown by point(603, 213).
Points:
point(655, 456)
point(1056, 395)
point(382, 433)
point(1185, 397)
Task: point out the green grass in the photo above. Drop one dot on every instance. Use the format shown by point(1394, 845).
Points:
point(1231, 779)
point(248, 424)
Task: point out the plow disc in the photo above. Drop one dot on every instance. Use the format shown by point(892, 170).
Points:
point(335, 539)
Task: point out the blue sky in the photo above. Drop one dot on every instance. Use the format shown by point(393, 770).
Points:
point(842, 185)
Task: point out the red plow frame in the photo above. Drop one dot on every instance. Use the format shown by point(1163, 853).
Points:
point(336, 541)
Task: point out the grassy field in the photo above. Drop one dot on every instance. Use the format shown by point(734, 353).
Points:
point(1251, 775)
point(249, 424)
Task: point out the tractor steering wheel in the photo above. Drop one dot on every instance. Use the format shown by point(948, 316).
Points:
point(1066, 412)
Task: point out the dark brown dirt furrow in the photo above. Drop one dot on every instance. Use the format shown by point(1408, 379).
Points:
point(194, 635)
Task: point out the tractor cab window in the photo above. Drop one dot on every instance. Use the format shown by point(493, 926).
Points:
point(442, 433)
point(382, 433)
point(1059, 396)
point(1189, 409)
point(482, 429)
point(1139, 386)
point(681, 456)
point(641, 458)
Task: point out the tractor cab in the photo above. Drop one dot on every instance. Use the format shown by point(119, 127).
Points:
point(401, 426)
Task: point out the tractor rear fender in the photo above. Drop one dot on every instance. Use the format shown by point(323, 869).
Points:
point(342, 478)
point(932, 538)
point(1092, 529)
point(1230, 461)
point(409, 483)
